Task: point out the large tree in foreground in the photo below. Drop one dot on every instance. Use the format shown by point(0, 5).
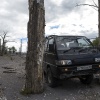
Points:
point(34, 72)
point(99, 19)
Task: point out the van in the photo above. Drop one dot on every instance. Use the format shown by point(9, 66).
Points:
point(70, 56)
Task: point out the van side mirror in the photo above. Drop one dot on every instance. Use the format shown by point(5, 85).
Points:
point(51, 47)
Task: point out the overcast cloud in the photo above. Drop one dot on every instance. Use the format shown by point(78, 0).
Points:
point(62, 17)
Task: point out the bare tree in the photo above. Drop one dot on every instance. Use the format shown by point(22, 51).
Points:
point(97, 8)
point(3, 36)
point(94, 6)
point(34, 71)
point(4, 41)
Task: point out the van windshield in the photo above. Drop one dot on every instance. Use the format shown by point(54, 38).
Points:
point(68, 42)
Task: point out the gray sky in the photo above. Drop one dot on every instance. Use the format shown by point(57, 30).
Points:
point(62, 17)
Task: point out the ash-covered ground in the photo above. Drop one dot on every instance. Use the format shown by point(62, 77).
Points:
point(12, 80)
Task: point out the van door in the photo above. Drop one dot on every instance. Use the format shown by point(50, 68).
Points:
point(50, 56)
point(44, 56)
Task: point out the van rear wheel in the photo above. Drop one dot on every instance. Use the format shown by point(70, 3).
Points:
point(86, 79)
point(52, 81)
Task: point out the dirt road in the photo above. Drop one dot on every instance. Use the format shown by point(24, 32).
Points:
point(12, 79)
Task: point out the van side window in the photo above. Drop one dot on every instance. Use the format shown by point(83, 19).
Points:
point(51, 45)
point(83, 42)
point(51, 41)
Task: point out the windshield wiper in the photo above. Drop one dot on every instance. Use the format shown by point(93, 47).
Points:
point(67, 50)
point(85, 49)
point(82, 49)
point(73, 48)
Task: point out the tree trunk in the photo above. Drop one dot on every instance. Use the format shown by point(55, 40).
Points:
point(99, 21)
point(0, 46)
point(3, 47)
point(34, 71)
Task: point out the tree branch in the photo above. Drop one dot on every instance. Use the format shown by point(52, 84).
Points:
point(87, 5)
point(5, 33)
point(94, 9)
point(95, 3)
point(1, 36)
point(10, 41)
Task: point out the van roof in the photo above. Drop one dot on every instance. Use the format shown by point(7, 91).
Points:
point(64, 35)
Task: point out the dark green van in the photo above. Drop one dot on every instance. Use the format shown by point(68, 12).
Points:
point(70, 56)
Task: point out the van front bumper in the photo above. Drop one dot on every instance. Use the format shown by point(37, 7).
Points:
point(76, 71)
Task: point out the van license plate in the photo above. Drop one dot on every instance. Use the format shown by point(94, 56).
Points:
point(84, 67)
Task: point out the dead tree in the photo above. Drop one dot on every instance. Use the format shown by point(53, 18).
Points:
point(97, 8)
point(34, 71)
point(4, 41)
point(3, 36)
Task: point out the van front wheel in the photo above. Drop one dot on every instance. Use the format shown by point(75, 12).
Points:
point(52, 81)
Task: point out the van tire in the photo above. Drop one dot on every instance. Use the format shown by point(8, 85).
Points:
point(52, 81)
point(86, 79)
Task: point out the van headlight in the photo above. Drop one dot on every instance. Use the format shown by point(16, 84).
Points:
point(97, 59)
point(64, 62)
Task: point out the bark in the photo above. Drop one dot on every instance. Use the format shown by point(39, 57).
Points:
point(99, 20)
point(0, 46)
point(34, 71)
point(3, 47)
